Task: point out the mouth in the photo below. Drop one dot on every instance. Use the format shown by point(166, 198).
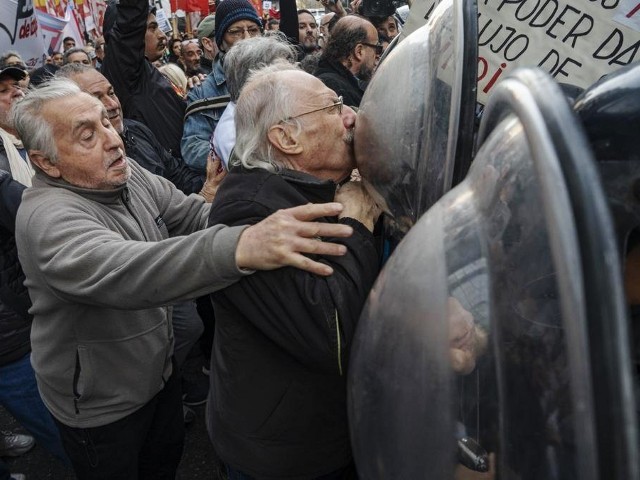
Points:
point(119, 162)
point(113, 114)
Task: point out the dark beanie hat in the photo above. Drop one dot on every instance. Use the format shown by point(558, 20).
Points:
point(231, 11)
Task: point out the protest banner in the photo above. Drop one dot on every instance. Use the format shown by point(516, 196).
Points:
point(576, 41)
point(19, 31)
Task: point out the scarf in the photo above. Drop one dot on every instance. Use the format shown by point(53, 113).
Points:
point(21, 170)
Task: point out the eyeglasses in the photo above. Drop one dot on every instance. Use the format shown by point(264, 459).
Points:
point(377, 47)
point(239, 32)
point(335, 106)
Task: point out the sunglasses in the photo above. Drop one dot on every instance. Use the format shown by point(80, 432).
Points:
point(377, 47)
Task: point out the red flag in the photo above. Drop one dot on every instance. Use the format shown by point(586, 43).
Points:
point(201, 6)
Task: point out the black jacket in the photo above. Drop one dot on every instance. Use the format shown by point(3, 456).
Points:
point(278, 399)
point(336, 76)
point(146, 95)
point(15, 322)
point(143, 146)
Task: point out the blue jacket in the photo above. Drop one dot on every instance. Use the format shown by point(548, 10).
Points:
point(199, 126)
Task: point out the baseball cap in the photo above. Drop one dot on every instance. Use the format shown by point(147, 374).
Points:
point(206, 27)
point(14, 72)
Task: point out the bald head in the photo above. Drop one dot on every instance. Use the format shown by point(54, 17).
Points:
point(353, 43)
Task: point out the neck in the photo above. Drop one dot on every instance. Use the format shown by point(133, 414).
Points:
point(9, 129)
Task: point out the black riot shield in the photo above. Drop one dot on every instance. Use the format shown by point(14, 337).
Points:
point(474, 350)
point(610, 114)
point(415, 124)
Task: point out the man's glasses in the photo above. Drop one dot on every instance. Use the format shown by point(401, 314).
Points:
point(238, 32)
point(335, 106)
point(377, 47)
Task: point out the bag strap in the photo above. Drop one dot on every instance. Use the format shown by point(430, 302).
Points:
point(208, 103)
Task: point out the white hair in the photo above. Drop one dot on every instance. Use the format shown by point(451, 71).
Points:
point(34, 131)
point(263, 103)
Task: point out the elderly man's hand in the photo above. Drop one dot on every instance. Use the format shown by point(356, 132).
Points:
point(358, 204)
point(466, 339)
point(215, 175)
point(282, 238)
point(195, 81)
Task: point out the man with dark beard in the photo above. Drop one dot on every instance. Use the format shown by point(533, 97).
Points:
point(349, 59)
point(277, 406)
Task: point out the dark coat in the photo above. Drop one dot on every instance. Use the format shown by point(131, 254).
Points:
point(336, 76)
point(143, 146)
point(146, 95)
point(278, 399)
point(15, 322)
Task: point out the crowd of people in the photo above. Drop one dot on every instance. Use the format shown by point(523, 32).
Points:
point(160, 195)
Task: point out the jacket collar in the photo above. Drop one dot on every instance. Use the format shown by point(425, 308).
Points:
point(331, 64)
point(217, 72)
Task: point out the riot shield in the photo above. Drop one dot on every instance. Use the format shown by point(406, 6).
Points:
point(610, 113)
point(415, 124)
point(475, 342)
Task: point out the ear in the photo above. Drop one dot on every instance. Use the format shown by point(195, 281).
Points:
point(357, 52)
point(281, 138)
point(39, 159)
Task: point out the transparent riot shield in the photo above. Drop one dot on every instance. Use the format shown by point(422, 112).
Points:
point(474, 350)
point(415, 123)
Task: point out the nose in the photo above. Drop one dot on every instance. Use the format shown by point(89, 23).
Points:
point(245, 33)
point(109, 103)
point(112, 139)
point(348, 117)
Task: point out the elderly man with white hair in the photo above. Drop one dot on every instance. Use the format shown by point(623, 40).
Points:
point(277, 402)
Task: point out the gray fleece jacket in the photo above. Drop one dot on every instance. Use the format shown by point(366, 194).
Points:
point(102, 268)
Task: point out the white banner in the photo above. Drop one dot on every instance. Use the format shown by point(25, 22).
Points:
point(576, 41)
point(19, 31)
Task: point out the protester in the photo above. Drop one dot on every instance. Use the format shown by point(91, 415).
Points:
point(76, 55)
point(133, 42)
point(12, 58)
point(387, 26)
point(235, 20)
point(278, 381)
point(307, 31)
point(206, 37)
point(174, 48)
point(191, 54)
point(350, 58)
point(325, 31)
point(57, 58)
point(67, 43)
point(102, 243)
point(99, 51)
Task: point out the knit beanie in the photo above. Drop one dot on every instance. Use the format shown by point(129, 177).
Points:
point(231, 11)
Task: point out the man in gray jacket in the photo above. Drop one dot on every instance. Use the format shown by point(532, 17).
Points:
point(105, 247)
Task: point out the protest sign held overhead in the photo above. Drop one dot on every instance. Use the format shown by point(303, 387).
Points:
point(19, 31)
point(576, 41)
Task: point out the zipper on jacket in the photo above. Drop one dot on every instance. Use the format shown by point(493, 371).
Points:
point(76, 378)
point(126, 197)
point(338, 342)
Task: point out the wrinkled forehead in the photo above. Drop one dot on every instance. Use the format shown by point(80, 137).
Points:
point(62, 113)
point(305, 86)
